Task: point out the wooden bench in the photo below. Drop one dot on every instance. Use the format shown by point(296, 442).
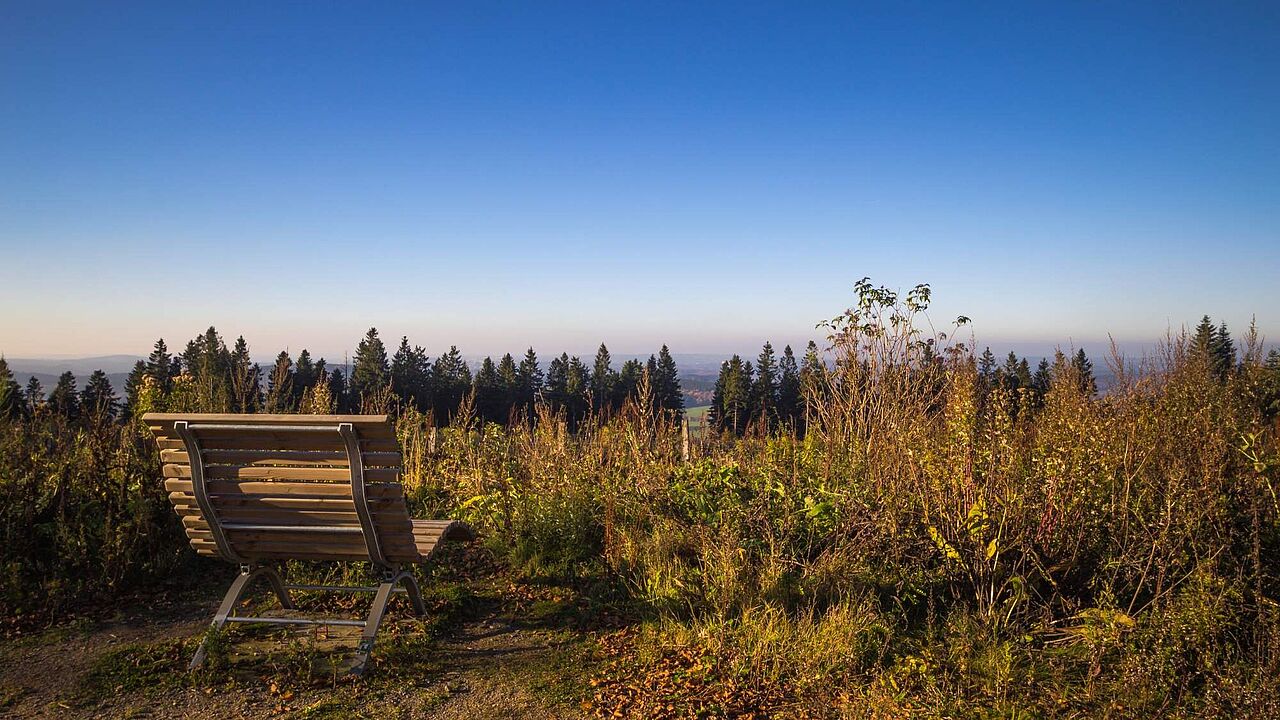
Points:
point(257, 490)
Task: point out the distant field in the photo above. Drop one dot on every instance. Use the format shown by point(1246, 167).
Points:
point(697, 416)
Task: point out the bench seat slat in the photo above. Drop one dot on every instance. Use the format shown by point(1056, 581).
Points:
point(286, 489)
point(332, 458)
point(301, 443)
point(261, 472)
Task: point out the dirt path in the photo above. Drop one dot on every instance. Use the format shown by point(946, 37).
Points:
point(491, 663)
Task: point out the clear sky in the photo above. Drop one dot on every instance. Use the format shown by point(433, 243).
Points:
point(706, 175)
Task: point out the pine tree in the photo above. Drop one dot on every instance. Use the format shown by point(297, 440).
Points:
point(603, 381)
point(556, 386)
point(577, 387)
point(280, 385)
point(1223, 352)
point(34, 395)
point(1008, 374)
point(338, 391)
point(490, 395)
point(246, 379)
point(1023, 374)
point(370, 372)
point(451, 382)
point(789, 397)
point(1202, 343)
point(508, 376)
point(12, 403)
point(987, 369)
point(160, 367)
point(668, 394)
point(208, 362)
point(64, 400)
point(1084, 372)
point(764, 391)
point(411, 376)
point(731, 406)
point(132, 386)
point(1041, 381)
point(304, 376)
point(528, 383)
point(628, 382)
point(98, 400)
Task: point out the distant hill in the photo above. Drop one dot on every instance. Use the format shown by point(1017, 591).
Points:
point(47, 370)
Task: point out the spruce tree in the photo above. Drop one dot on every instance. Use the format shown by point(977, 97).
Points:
point(370, 372)
point(577, 388)
point(133, 386)
point(628, 382)
point(603, 381)
point(1202, 343)
point(528, 383)
point(789, 397)
point(450, 382)
point(34, 395)
point(1009, 378)
point(764, 391)
point(280, 398)
point(508, 376)
point(208, 362)
point(1041, 381)
point(1023, 373)
point(304, 376)
point(555, 390)
point(12, 403)
point(338, 391)
point(246, 379)
point(1084, 372)
point(411, 376)
point(160, 366)
point(1223, 351)
point(64, 400)
point(731, 406)
point(490, 396)
point(987, 369)
point(98, 400)
point(669, 396)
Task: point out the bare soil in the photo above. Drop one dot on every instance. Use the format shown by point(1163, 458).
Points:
point(489, 661)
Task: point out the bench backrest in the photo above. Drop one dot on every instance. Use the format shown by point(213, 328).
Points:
point(273, 487)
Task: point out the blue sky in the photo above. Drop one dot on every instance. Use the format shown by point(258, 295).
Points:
point(503, 175)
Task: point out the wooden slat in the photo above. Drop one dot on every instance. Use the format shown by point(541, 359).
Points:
point(286, 489)
point(450, 529)
point(184, 502)
point(297, 443)
point(252, 538)
point(269, 472)
point(193, 518)
point(311, 550)
point(159, 418)
point(334, 458)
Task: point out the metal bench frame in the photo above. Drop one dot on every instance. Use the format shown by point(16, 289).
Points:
point(392, 574)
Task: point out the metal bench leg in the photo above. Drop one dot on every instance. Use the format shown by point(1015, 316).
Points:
point(380, 601)
point(415, 595)
point(248, 574)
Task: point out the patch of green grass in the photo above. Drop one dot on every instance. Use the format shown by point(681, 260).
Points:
point(138, 667)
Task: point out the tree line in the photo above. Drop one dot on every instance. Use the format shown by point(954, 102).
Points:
point(209, 376)
point(773, 393)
